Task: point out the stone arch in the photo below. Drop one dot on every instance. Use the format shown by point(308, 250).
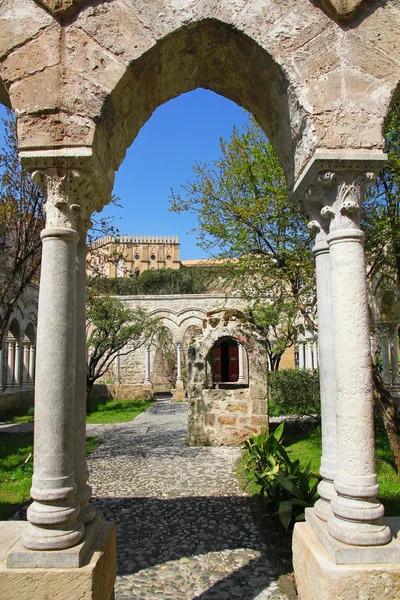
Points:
point(14, 329)
point(210, 54)
point(30, 332)
point(227, 363)
point(163, 372)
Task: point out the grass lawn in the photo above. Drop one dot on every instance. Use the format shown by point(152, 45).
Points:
point(25, 416)
point(15, 477)
point(116, 411)
point(102, 411)
point(307, 446)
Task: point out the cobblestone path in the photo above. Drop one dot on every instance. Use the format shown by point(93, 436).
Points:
point(184, 529)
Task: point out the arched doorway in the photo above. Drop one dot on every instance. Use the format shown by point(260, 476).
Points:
point(226, 362)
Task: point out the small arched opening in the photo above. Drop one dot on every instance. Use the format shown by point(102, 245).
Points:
point(227, 362)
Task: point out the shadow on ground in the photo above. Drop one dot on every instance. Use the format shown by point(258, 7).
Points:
point(153, 531)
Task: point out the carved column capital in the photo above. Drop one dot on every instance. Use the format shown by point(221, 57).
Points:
point(334, 200)
point(66, 193)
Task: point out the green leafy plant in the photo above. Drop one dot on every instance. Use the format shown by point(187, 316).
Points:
point(294, 392)
point(284, 486)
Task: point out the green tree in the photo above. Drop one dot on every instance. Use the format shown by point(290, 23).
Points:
point(276, 322)
point(381, 222)
point(246, 217)
point(21, 221)
point(112, 329)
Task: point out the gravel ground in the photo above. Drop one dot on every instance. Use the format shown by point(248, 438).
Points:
point(184, 529)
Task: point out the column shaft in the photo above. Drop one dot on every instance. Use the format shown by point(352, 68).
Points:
point(301, 355)
point(53, 515)
point(116, 371)
point(326, 490)
point(10, 363)
point(241, 365)
point(25, 364)
point(32, 365)
point(179, 362)
point(147, 367)
point(84, 491)
point(315, 355)
point(309, 356)
point(357, 513)
point(385, 356)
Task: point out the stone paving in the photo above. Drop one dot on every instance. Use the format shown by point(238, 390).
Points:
point(184, 529)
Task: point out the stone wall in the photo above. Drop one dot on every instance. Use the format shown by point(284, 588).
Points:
point(15, 402)
point(179, 313)
point(226, 415)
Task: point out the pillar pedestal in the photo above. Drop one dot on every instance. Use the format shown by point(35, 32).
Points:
point(319, 577)
point(86, 571)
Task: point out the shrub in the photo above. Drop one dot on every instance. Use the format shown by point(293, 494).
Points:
point(294, 392)
point(162, 281)
point(284, 487)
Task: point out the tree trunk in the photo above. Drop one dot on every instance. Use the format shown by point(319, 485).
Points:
point(89, 389)
point(387, 408)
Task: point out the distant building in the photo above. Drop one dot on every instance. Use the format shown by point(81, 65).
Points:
point(130, 255)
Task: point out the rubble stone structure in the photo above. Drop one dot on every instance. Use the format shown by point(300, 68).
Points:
point(319, 77)
point(226, 413)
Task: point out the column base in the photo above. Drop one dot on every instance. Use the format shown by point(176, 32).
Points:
point(341, 553)
point(20, 557)
point(94, 581)
point(179, 392)
point(319, 578)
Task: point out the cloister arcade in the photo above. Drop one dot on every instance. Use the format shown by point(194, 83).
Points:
point(319, 77)
point(17, 355)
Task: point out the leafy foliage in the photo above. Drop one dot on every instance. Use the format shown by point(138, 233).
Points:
point(381, 222)
point(276, 322)
point(245, 215)
point(285, 487)
point(294, 392)
point(162, 281)
point(21, 221)
point(113, 329)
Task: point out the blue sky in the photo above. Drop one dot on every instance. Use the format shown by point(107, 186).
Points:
point(179, 133)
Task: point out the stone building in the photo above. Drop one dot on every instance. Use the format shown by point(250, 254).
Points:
point(319, 76)
point(130, 255)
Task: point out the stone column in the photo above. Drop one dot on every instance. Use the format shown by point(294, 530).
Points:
point(116, 367)
point(309, 355)
point(241, 365)
point(315, 355)
point(10, 363)
point(53, 516)
point(17, 364)
point(357, 512)
point(320, 227)
point(301, 355)
point(84, 491)
point(179, 379)
point(25, 363)
point(394, 354)
point(385, 356)
point(147, 380)
point(32, 355)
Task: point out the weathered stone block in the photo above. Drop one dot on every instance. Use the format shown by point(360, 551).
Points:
point(318, 578)
point(93, 581)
